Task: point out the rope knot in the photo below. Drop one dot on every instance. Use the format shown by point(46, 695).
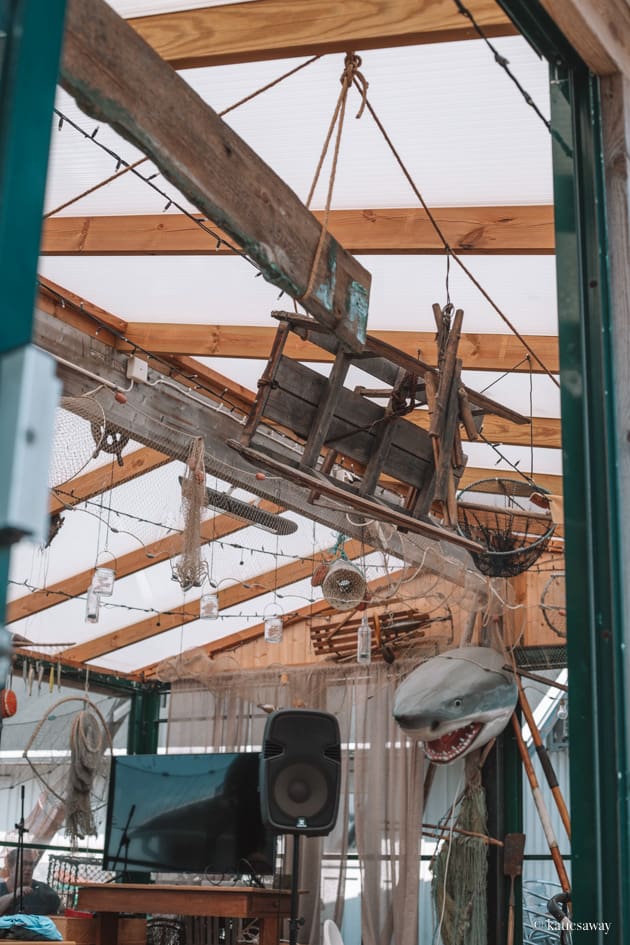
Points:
point(352, 75)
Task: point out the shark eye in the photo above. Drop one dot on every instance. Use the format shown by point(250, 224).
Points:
point(457, 703)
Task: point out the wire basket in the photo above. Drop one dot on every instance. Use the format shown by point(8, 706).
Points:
point(553, 604)
point(65, 873)
point(344, 585)
point(499, 516)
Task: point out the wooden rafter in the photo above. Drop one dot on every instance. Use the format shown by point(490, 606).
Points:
point(228, 597)
point(274, 29)
point(479, 230)
point(113, 74)
point(479, 352)
point(546, 430)
point(233, 640)
point(213, 529)
point(107, 476)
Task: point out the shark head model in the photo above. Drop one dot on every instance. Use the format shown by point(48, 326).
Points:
point(456, 702)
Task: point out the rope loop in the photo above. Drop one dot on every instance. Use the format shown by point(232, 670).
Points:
point(352, 73)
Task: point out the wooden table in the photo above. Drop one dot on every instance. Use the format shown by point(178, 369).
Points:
point(269, 906)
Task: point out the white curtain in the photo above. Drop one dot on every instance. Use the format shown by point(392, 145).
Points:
point(381, 775)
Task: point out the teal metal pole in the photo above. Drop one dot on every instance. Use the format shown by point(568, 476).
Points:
point(30, 46)
point(596, 637)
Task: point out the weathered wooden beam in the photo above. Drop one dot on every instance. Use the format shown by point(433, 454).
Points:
point(275, 29)
point(478, 230)
point(600, 32)
point(212, 529)
point(95, 481)
point(164, 417)
point(479, 352)
point(228, 597)
point(114, 74)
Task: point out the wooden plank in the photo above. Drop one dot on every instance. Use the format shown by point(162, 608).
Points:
point(114, 74)
point(84, 487)
point(293, 403)
point(367, 507)
point(328, 403)
point(479, 230)
point(281, 28)
point(212, 529)
point(600, 32)
point(228, 597)
point(479, 352)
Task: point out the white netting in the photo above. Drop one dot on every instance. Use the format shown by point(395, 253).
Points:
point(79, 429)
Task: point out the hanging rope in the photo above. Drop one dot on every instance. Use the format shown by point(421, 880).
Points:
point(131, 167)
point(351, 75)
point(447, 247)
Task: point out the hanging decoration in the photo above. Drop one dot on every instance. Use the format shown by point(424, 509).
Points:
point(190, 568)
point(499, 515)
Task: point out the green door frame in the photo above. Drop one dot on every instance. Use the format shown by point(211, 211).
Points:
point(597, 636)
point(31, 33)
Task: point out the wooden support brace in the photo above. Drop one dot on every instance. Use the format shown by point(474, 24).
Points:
point(447, 373)
point(265, 384)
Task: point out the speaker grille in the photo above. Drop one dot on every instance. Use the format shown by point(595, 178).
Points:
point(300, 772)
point(272, 750)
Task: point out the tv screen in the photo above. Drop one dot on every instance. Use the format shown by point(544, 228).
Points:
point(187, 813)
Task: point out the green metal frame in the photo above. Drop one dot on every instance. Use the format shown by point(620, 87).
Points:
point(30, 49)
point(597, 637)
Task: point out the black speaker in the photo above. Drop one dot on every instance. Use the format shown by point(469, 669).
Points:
point(300, 772)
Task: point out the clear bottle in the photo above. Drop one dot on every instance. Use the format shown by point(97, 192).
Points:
point(92, 605)
point(209, 606)
point(364, 641)
point(273, 629)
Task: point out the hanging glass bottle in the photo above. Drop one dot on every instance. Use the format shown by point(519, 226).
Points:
point(364, 641)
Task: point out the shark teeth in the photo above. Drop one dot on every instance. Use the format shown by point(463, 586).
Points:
point(450, 746)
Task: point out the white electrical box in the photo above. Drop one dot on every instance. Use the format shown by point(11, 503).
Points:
point(137, 369)
point(29, 394)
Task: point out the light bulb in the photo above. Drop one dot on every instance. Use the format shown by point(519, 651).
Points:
point(563, 712)
point(364, 641)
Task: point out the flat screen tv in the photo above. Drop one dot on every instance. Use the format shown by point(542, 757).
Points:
point(187, 813)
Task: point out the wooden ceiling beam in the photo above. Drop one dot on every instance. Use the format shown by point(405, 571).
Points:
point(212, 529)
point(479, 352)
point(228, 597)
point(472, 346)
point(276, 29)
point(546, 432)
point(107, 476)
point(113, 74)
point(468, 230)
point(234, 640)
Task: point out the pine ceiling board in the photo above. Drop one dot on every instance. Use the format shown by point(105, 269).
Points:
point(274, 29)
point(479, 352)
point(468, 230)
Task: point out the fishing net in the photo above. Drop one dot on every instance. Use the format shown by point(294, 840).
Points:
point(553, 604)
point(460, 870)
point(79, 429)
point(499, 515)
point(190, 568)
point(83, 760)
